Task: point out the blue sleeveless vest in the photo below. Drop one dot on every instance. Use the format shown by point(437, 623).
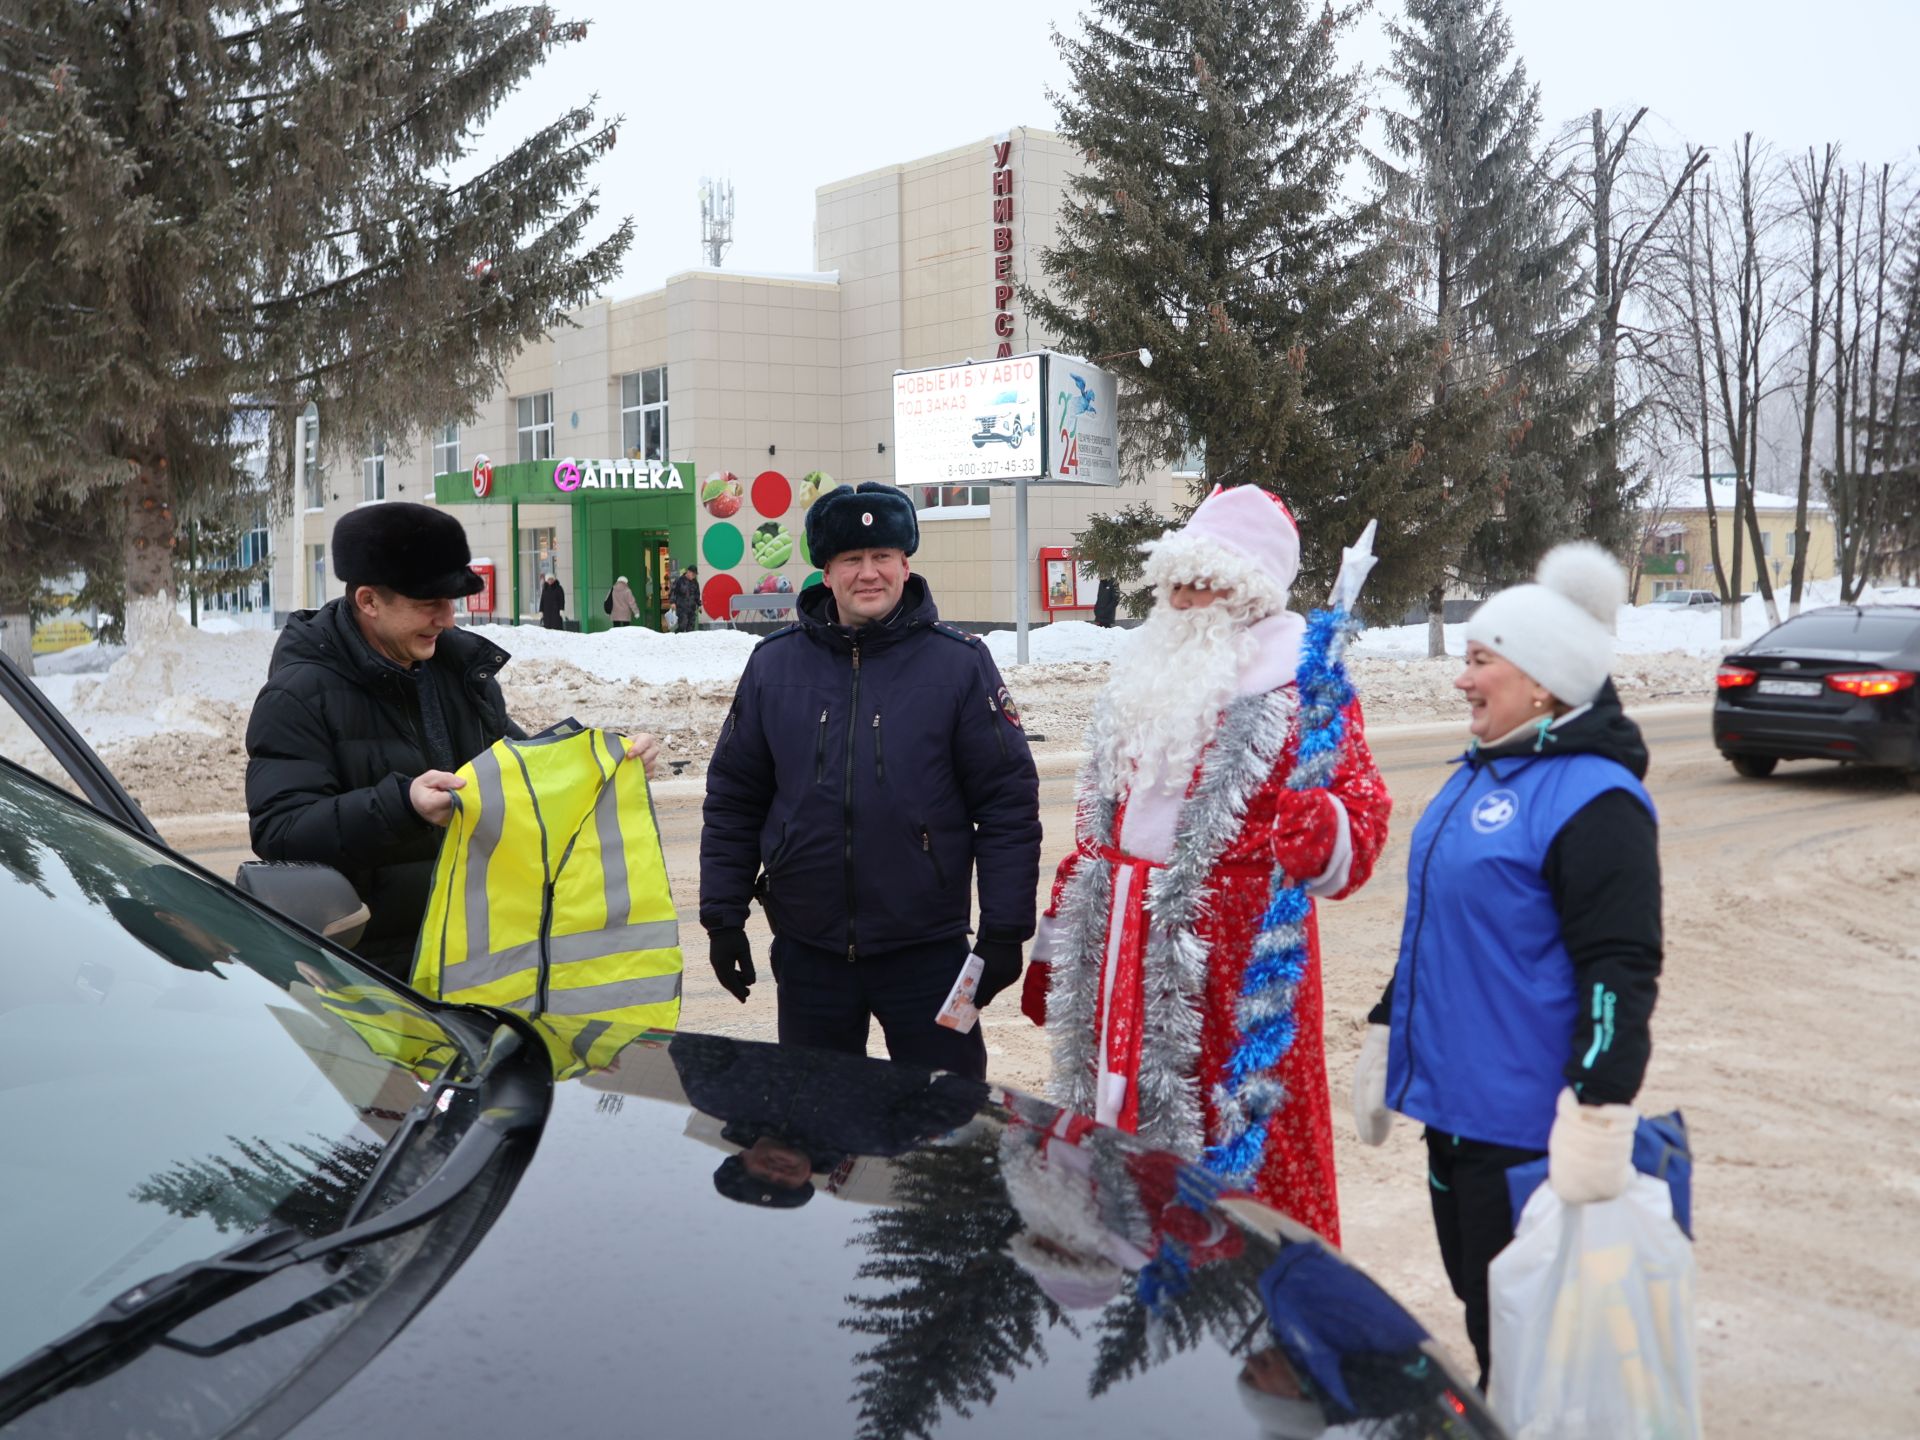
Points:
point(1484, 1000)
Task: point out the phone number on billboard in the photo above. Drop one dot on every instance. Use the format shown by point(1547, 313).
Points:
point(980, 470)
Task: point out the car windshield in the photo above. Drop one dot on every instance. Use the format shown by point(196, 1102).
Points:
point(1866, 632)
point(177, 1069)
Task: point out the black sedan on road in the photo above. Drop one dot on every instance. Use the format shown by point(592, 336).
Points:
point(1835, 683)
point(250, 1187)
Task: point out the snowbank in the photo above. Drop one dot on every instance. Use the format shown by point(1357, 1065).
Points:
point(1643, 629)
point(629, 654)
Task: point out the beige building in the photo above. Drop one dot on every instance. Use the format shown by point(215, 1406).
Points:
point(762, 383)
point(1679, 556)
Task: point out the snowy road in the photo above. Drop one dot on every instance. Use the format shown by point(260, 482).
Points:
point(1784, 1032)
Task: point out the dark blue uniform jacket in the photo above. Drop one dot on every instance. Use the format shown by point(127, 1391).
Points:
point(867, 772)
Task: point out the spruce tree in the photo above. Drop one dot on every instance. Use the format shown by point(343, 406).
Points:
point(218, 210)
point(1210, 225)
point(1495, 266)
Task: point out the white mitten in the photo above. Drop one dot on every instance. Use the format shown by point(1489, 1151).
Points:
point(1371, 1118)
point(1590, 1150)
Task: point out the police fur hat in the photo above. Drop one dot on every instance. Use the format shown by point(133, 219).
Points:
point(415, 550)
point(733, 1181)
point(876, 516)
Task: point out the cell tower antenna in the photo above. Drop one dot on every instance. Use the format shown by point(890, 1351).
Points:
point(716, 219)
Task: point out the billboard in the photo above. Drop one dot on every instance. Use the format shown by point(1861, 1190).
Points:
point(969, 424)
point(1083, 410)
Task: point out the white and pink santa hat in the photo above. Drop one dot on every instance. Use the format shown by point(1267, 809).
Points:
point(1243, 539)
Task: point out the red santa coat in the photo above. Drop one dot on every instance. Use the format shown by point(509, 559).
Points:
point(1154, 1005)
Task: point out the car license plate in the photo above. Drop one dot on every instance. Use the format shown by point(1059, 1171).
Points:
point(1789, 687)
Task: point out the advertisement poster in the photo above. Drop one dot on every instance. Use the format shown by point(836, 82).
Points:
point(1062, 593)
point(1084, 412)
point(968, 424)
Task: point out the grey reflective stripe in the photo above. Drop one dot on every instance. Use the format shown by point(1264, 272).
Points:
point(613, 845)
point(649, 990)
point(486, 839)
point(590, 1032)
point(563, 950)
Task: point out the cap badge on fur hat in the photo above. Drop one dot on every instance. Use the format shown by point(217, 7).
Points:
point(866, 517)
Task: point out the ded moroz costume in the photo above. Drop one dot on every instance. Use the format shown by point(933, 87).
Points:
point(1155, 983)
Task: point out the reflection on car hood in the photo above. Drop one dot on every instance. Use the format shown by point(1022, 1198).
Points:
point(719, 1237)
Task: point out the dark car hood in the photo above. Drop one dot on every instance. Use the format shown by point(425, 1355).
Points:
point(621, 1289)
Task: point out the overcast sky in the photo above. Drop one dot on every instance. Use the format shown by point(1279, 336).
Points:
point(785, 97)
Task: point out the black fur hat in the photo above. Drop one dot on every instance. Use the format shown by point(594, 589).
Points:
point(416, 550)
point(877, 516)
point(733, 1181)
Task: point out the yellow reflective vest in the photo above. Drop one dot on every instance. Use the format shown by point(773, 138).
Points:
point(550, 894)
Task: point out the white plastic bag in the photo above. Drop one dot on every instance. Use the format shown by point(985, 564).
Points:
point(1593, 1321)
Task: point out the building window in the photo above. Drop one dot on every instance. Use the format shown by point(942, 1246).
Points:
point(446, 449)
point(1793, 543)
point(533, 420)
point(1192, 461)
point(312, 478)
point(373, 470)
point(643, 414)
point(316, 576)
point(1766, 542)
point(951, 497)
point(539, 558)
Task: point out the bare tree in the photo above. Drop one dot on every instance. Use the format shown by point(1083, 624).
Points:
point(1623, 220)
point(1871, 228)
point(1811, 184)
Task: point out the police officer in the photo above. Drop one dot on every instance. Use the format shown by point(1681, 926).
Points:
point(872, 759)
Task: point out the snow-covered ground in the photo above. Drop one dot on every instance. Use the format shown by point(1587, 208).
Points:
point(1644, 629)
point(172, 717)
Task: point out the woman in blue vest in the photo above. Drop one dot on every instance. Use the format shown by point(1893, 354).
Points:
point(1516, 1019)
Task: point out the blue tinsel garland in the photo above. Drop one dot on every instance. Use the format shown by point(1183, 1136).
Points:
point(1251, 1093)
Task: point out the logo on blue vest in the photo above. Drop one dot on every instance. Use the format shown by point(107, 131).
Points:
point(1494, 811)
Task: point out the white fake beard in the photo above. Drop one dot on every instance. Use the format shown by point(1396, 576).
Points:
point(1164, 699)
point(1053, 1201)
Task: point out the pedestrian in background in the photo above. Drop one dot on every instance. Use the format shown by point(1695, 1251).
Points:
point(620, 603)
point(1516, 1021)
point(553, 600)
point(685, 594)
point(871, 760)
point(1106, 603)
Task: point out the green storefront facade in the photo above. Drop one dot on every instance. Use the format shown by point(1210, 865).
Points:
point(628, 518)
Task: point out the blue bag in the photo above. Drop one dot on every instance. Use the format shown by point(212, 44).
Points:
point(1660, 1149)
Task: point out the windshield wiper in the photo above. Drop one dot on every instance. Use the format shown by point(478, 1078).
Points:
point(514, 1106)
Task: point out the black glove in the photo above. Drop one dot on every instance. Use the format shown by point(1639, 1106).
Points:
point(1001, 968)
point(732, 960)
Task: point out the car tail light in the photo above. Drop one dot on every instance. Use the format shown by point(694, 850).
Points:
point(1732, 677)
point(1871, 682)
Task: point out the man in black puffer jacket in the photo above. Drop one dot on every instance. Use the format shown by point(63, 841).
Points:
point(871, 760)
point(371, 702)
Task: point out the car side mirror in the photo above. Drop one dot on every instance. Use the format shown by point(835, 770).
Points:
point(317, 896)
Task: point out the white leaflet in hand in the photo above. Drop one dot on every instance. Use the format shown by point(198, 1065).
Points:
point(958, 1011)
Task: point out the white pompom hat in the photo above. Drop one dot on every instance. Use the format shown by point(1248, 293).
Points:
point(1560, 628)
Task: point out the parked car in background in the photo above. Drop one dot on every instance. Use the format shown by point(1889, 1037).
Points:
point(1835, 683)
point(253, 1187)
point(1683, 598)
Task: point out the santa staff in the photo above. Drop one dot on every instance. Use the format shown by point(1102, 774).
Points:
point(1185, 820)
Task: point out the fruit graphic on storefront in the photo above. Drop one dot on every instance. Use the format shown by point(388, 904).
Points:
point(772, 545)
point(813, 485)
point(723, 494)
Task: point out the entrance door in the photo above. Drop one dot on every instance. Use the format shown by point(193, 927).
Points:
point(640, 555)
